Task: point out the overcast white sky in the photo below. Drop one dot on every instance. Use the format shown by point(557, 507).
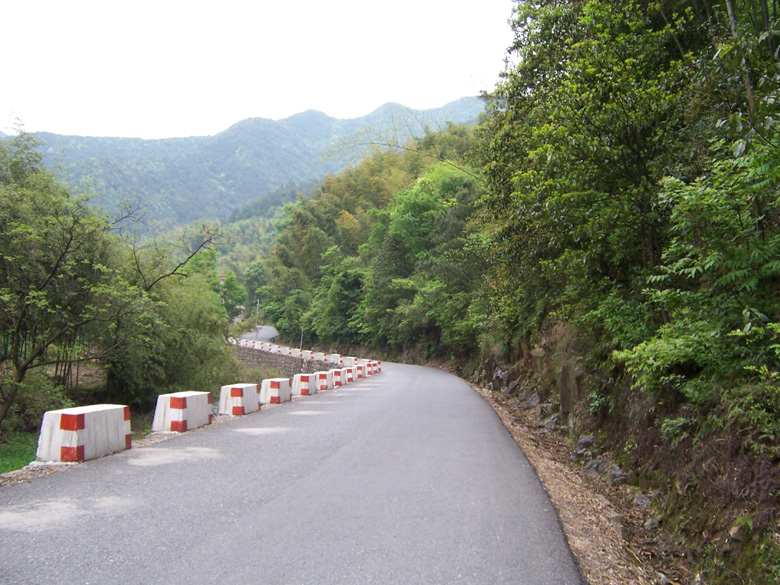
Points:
point(164, 68)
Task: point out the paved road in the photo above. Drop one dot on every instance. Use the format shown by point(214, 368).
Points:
point(262, 333)
point(404, 478)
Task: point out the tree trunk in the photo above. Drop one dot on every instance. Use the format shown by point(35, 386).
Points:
point(745, 70)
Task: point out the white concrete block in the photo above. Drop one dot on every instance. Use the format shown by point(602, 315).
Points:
point(304, 385)
point(182, 411)
point(295, 352)
point(350, 374)
point(349, 361)
point(238, 399)
point(275, 391)
point(321, 380)
point(84, 432)
point(334, 358)
point(318, 355)
point(306, 354)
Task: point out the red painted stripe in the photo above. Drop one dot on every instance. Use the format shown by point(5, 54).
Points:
point(275, 400)
point(179, 426)
point(127, 413)
point(179, 402)
point(304, 391)
point(237, 393)
point(72, 454)
point(238, 410)
point(274, 385)
point(210, 417)
point(71, 422)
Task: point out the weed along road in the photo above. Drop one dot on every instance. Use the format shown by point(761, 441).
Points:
point(406, 477)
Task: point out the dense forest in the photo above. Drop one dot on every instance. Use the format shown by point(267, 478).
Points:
point(178, 181)
point(616, 206)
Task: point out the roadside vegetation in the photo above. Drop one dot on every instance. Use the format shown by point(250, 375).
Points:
point(620, 198)
point(616, 208)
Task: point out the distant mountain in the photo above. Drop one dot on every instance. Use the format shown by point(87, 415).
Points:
point(182, 180)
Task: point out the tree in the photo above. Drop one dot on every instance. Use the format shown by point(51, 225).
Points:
point(57, 283)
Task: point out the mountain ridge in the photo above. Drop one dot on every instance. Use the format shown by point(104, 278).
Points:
point(183, 180)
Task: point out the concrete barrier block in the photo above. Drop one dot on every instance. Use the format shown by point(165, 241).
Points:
point(84, 432)
point(275, 391)
point(334, 358)
point(360, 372)
point(336, 378)
point(238, 399)
point(350, 374)
point(295, 352)
point(342, 376)
point(306, 354)
point(349, 361)
point(182, 411)
point(304, 385)
point(321, 380)
point(318, 356)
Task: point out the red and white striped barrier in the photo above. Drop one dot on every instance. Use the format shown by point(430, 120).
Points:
point(334, 358)
point(304, 385)
point(182, 411)
point(295, 352)
point(306, 354)
point(350, 374)
point(349, 361)
point(342, 376)
point(336, 378)
point(360, 372)
point(318, 355)
point(84, 432)
point(321, 380)
point(275, 391)
point(238, 399)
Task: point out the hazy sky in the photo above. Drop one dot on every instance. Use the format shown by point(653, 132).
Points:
point(166, 68)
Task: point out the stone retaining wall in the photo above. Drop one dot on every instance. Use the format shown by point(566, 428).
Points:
point(290, 365)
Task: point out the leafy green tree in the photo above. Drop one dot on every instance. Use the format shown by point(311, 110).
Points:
point(233, 295)
point(59, 284)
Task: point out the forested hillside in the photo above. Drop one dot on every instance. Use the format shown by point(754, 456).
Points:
point(618, 210)
point(182, 180)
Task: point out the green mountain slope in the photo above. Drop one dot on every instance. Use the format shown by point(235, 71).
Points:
point(182, 180)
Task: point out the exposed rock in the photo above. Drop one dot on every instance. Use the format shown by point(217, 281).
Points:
point(643, 502)
point(652, 524)
point(512, 388)
point(607, 469)
point(499, 379)
point(550, 423)
point(547, 410)
point(581, 449)
point(533, 401)
point(737, 532)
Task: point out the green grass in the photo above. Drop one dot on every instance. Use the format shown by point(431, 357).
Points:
point(17, 451)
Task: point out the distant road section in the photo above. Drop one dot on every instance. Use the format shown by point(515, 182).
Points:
point(262, 333)
point(403, 478)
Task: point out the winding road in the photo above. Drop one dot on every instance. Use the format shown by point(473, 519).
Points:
point(407, 477)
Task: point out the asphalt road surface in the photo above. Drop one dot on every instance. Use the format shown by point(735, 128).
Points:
point(406, 477)
point(262, 333)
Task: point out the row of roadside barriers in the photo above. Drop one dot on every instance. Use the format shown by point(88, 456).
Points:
point(88, 432)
